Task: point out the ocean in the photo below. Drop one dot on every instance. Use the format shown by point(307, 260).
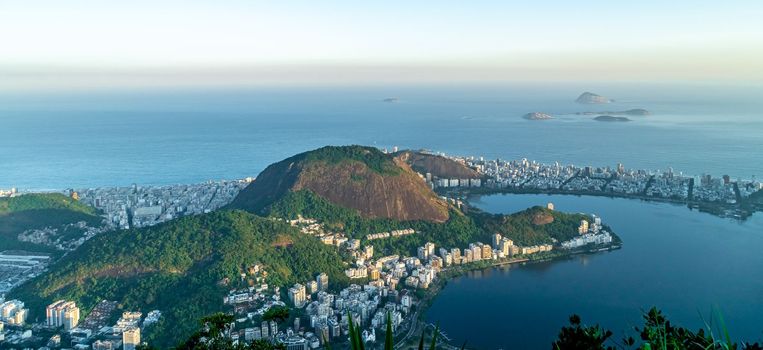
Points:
point(79, 139)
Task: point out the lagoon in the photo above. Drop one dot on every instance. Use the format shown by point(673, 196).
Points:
point(691, 265)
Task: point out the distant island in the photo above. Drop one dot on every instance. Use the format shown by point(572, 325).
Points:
point(591, 98)
point(634, 112)
point(610, 118)
point(537, 116)
point(391, 99)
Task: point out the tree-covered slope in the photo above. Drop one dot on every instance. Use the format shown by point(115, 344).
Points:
point(180, 268)
point(364, 179)
point(37, 211)
point(536, 225)
point(36, 201)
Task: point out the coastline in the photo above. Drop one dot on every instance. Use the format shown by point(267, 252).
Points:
point(736, 211)
point(428, 296)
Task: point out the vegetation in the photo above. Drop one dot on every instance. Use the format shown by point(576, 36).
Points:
point(183, 268)
point(536, 225)
point(212, 336)
point(372, 157)
point(36, 201)
point(656, 333)
point(37, 211)
point(276, 313)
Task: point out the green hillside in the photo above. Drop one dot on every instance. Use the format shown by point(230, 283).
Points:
point(36, 211)
point(36, 201)
point(536, 225)
point(178, 267)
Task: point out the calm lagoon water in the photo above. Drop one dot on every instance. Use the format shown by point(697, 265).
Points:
point(685, 262)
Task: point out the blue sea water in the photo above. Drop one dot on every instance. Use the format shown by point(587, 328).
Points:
point(55, 140)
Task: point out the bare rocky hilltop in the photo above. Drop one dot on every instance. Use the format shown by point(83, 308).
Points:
point(375, 184)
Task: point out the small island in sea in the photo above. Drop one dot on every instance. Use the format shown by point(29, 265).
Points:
point(537, 116)
point(391, 99)
point(633, 112)
point(611, 118)
point(591, 98)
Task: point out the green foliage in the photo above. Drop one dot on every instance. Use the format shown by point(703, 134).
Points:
point(35, 201)
point(276, 313)
point(37, 211)
point(183, 268)
point(577, 336)
point(458, 231)
point(212, 336)
point(356, 340)
point(531, 226)
point(372, 157)
point(657, 333)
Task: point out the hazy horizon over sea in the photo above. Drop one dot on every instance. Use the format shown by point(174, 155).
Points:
point(164, 136)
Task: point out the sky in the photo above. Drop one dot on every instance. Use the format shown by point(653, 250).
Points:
point(100, 42)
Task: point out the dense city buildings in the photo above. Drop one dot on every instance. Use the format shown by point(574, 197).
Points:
point(139, 206)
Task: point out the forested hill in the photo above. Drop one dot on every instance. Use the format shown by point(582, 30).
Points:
point(180, 268)
point(39, 201)
point(37, 211)
point(364, 179)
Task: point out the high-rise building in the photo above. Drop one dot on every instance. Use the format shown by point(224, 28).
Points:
point(430, 248)
point(487, 253)
point(497, 240)
point(583, 228)
point(273, 328)
point(323, 281)
point(265, 329)
point(422, 253)
point(13, 312)
point(131, 338)
point(312, 287)
point(297, 294)
point(62, 313)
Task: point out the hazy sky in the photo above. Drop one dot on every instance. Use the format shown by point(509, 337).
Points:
point(78, 42)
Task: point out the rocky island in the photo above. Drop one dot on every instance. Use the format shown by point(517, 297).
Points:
point(537, 116)
point(633, 112)
point(610, 118)
point(591, 98)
